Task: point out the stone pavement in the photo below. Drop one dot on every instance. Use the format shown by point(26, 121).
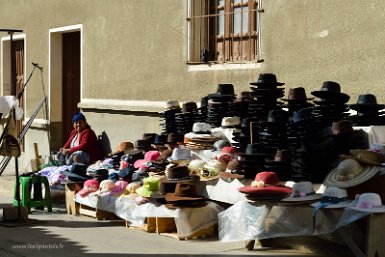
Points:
point(58, 234)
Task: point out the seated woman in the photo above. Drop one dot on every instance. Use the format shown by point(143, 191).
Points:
point(82, 145)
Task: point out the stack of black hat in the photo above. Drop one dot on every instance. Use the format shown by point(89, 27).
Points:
point(302, 124)
point(332, 104)
point(220, 104)
point(296, 100)
point(202, 110)
point(368, 111)
point(241, 105)
point(251, 162)
point(272, 134)
point(184, 121)
point(242, 137)
point(167, 123)
point(265, 92)
point(314, 152)
point(281, 164)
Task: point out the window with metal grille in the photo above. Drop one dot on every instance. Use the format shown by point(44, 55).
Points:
point(222, 31)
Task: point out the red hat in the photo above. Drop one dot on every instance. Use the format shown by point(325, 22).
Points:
point(266, 183)
point(228, 153)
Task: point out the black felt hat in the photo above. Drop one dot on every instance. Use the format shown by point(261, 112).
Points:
point(267, 79)
point(331, 90)
point(365, 102)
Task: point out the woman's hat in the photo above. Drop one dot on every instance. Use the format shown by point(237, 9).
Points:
point(150, 185)
point(189, 107)
point(211, 170)
point(91, 185)
point(332, 198)
point(368, 202)
point(350, 172)
point(266, 185)
point(366, 102)
point(367, 157)
point(149, 157)
point(119, 188)
point(331, 90)
point(180, 155)
point(78, 116)
point(302, 192)
point(297, 95)
point(184, 192)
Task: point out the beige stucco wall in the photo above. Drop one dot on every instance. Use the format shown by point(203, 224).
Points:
point(308, 42)
point(136, 51)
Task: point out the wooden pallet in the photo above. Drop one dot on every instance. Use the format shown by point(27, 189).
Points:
point(148, 226)
point(167, 227)
point(96, 213)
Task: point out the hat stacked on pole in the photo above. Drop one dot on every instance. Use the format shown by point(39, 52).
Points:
point(220, 104)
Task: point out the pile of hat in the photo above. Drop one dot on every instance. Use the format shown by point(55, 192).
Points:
point(167, 122)
point(184, 120)
point(280, 164)
point(264, 96)
point(200, 138)
point(296, 100)
point(369, 112)
point(251, 161)
point(332, 104)
point(220, 104)
point(242, 137)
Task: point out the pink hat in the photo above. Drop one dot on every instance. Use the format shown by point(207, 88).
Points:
point(266, 183)
point(119, 188)
point(90, 186)
point(149, 156)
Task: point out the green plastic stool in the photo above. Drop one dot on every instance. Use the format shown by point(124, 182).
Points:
point(37, 201)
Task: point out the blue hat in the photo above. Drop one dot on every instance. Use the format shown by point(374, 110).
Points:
point(78, 116)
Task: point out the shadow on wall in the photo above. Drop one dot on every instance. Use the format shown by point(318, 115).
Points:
point(105, 143)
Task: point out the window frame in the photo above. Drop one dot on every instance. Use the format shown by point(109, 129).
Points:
point(202, 23)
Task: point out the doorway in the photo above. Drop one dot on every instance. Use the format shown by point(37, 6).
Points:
point(71, 80)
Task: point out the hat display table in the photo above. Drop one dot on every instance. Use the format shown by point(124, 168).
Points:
point(186, 223)
point(29, 183)
point(246, 221)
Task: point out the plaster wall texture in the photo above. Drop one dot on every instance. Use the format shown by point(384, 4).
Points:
point(136, 51)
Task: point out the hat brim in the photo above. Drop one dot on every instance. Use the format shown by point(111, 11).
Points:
point(365, 175)
point(367, 106)
point(342, 97)
point(74, 177)
point(343, 204)
point(267, 190)
point(178, 180)
point(302, 199)
point(171, 197)
point(140, 163)
point(142, 191)
point(369, 210)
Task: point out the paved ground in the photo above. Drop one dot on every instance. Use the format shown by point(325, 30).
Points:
point(58, 234)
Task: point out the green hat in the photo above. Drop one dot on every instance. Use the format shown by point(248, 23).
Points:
point(150, 184)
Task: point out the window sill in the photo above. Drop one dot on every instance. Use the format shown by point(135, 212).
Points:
point(223, 66)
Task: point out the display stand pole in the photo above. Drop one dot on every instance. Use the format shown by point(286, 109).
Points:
point(13, 92)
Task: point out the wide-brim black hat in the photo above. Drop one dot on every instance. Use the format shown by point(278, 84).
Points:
point(267, 79)
point(77, 172)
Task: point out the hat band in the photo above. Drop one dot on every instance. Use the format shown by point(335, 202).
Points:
point(333, 199)
point(298, 194)
point(366, 205)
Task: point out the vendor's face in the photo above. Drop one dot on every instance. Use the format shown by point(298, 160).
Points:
point(80, 125)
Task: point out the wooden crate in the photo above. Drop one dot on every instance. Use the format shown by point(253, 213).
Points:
point(72, 207)
point(96, 213)
point(148, 226)
point(167, 227)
